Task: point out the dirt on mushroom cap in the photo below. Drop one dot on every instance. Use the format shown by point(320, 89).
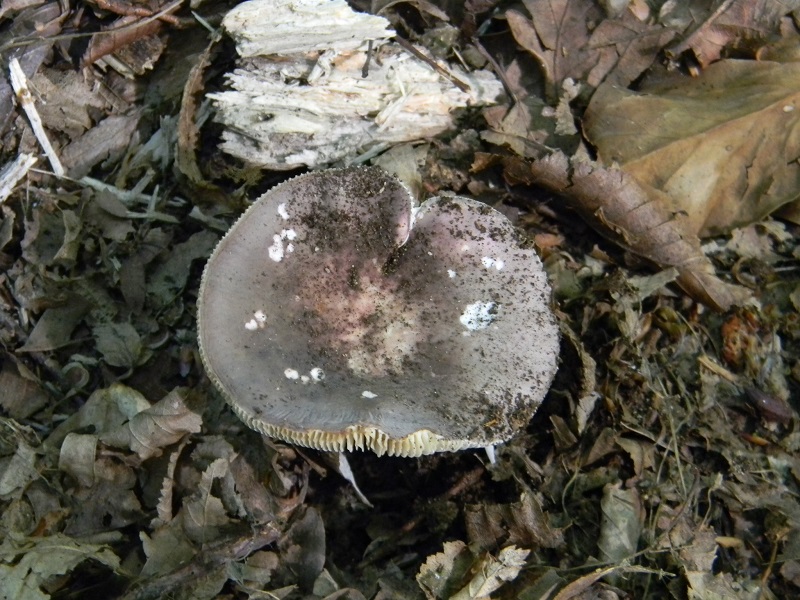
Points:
point(335, 315)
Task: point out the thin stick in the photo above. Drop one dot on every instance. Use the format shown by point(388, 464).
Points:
point(436, 66)
point(20, 84)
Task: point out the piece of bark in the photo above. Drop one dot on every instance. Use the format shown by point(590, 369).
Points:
point(317, 102)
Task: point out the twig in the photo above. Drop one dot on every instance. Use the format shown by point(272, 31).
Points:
point(13, 172)
point(20, 84)
point(498, 70)
point(436, 66)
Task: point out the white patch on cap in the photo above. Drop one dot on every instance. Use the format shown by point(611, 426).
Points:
point(465, 247)
point(489, 262)
point(368, 394)
point(259, 321)
point(291, 374)
point(451, 274)
point(282, 210)
point(479, 315)
point(304, 379)
point(276, 250)
point(317, 374)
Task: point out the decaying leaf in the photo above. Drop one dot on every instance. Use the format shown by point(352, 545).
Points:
point(27, 564)
point(120, 344)
point(54, 328)
point(557, 35)
point(18, 471)
point(443, 575)
point(621, 524)
point(105, 410)
point(523, 523)
point(724, 147)
point(734, 23)
point(152, 429)
point(707, 586)
point(20, 394)
point(634, 215)
point(493, 572)
point(108, 140)
point(302, 547)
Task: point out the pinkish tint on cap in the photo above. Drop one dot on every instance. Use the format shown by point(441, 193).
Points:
point(336, 315)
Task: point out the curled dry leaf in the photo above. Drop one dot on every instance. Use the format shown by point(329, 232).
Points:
point(150, 430)
point(722, 147)
point(634, 215)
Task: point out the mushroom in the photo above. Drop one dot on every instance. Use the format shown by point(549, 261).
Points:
point(337, 315)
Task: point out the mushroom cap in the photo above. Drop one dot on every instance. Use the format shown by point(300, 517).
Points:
point(336, 315)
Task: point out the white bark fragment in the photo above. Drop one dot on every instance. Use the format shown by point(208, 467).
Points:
point(13, 172)
point(264, 27)
point(313, 106)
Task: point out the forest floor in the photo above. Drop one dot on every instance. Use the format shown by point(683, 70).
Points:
point(665, 459)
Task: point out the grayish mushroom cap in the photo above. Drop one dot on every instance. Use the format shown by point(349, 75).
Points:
point(335, 315)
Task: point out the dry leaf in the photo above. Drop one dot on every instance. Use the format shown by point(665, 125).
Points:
point(628, 47)
point(108, 140)
point(522, 523)
point(28, 564)
point(621, 524)
point(20, 396)
point(302, 547)
point(557, 36)
point(442, 572)
point(723, 147)
point(635, 216)
point(164, 423)
point(120, 345)
point(732, 23)
point(491, 573)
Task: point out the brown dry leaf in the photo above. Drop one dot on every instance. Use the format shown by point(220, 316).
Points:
point(442, 572)
point(524, 523)
point(622, 519)
point(302, 547)
point(18, 471)
point(627, 47)
point(120, 344)
point(108, 140)
point(67, 101)
point(21, 395)
point(724, 147)
point(570, 38)
point(203, 514)
point(445, 572)
point(150, 430)
point(636, 216)
point(30, 565)
point(557, 36)
point(54, 328)
point(733, 23)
